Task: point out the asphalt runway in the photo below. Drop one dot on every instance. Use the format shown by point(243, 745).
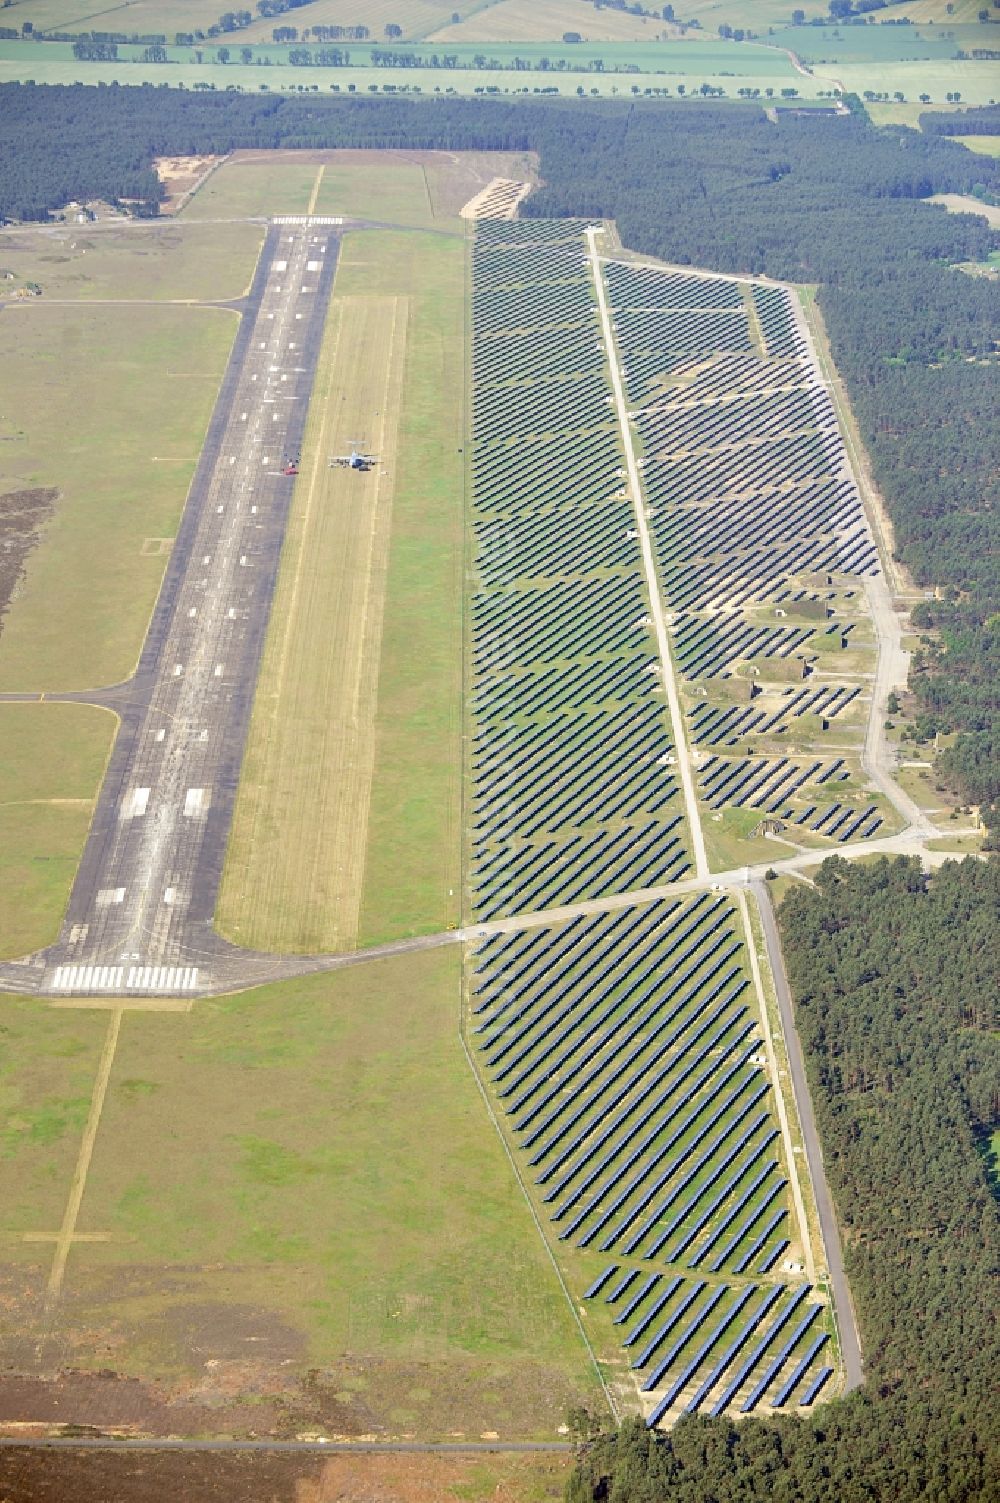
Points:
point(139, 918)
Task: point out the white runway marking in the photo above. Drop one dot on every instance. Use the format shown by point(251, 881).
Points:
point(135, 805)
point(113, 978)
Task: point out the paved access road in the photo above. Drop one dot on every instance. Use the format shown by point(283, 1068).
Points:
point(140, 915)
point(850, 1343)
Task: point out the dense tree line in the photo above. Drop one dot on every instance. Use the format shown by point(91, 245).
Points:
point(984, 121)
point(897, 980)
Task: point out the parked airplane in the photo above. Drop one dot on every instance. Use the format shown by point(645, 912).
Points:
point(356, 460)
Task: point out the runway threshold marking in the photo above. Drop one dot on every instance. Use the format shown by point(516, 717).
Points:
point(67, 1230)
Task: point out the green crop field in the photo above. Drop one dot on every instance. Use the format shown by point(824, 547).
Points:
point(885, 45)
point(52, 759)
point(326, 1194)
point(122, 472)
point(526, 21)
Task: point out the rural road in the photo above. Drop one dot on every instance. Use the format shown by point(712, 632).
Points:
point(850, 1343)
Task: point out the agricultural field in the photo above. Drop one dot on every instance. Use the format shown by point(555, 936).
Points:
point(141, 16)
point(416, 18)
point(884, 46)
point(963, 203)
point(328, 1218)
point(597, 68)
point(987, 146)
point(523, 21)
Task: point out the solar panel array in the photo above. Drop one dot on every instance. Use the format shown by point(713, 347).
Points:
point(624, 1050)
point(572, 790)
point(750, 500)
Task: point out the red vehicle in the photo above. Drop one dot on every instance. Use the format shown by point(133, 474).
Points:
point(291, 467)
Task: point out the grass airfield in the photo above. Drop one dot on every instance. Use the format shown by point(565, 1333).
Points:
point(342, 1247)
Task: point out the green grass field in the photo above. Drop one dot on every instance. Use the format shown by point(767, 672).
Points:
point(326, 1184)
point(47, 1068)
point(254, 185)
point(987, 146)
point(52, 759)
point(419, 190)
point(412, 868)
point(121, 458)
point(396, 191)
point(160, 262)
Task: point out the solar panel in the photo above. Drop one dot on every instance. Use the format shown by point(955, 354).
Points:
point(601, 1280)
point(637, 1299)
point(631, 1275)
point(798, 1371)
point(653, 1311)
point(815, 1385)
point(774, 1367)
point(692, 1366)
point(660, 1336)
point(664, 1365)
point(770, 1336)
point(743, 1336)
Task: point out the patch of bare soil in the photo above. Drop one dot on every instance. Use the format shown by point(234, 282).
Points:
point(23, 515)
point(498, 200)
point(180, 176)
point(357, 1398)
point(172, 1477)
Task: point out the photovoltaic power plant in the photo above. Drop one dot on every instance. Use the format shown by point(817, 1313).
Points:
point(758, 530)
point(571, 782)
point(623, 1049)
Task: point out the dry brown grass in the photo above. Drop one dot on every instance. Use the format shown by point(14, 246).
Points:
point(295, 870)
